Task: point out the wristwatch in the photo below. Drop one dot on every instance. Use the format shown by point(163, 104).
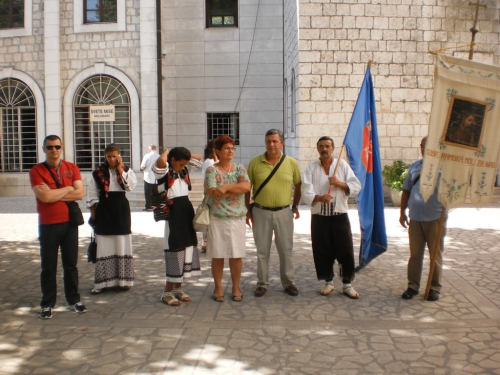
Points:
point(294, 207)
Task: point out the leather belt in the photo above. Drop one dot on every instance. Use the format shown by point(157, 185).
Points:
point(270, 208)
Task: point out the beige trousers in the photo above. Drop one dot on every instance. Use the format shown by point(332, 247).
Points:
point(265, 223)
point(422, 233)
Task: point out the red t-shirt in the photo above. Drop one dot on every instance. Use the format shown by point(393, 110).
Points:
point(56, 212)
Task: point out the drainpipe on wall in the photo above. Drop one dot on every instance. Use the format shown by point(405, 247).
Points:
point(283, 78)
point(159, 61)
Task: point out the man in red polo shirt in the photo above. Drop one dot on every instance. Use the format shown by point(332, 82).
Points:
point(55, 229)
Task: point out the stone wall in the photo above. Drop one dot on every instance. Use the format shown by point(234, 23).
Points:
point(26, 53)
point(119, 49)
point(337, 39)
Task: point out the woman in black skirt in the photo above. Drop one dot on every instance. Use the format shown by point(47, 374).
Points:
point(110, 215)
point(181, 255)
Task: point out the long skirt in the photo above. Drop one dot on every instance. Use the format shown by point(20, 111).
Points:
point(114, 266)
point(181, 256)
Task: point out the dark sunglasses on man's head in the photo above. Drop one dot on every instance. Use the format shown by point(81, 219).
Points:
point(50, 147)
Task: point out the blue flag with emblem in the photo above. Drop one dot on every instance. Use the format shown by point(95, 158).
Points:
point(361, 142)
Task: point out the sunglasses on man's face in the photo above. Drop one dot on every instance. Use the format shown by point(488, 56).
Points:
point(51, 147)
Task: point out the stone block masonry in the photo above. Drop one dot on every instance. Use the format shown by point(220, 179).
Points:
point(396, 36)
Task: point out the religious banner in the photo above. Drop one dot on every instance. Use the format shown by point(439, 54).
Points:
point(102, 113)
point(464, 132)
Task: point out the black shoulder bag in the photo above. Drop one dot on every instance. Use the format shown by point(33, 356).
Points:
point(250, 207)
point(75, 214)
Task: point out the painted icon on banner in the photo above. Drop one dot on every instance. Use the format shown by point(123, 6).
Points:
point(465, 122)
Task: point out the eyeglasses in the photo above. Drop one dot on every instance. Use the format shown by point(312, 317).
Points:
point(229, 148)
point(51, 147)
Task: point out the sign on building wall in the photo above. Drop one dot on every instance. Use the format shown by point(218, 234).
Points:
point(464, 141)
point(102, 113)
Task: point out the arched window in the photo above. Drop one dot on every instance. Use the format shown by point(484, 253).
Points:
point(92, 137)
point(17, 126)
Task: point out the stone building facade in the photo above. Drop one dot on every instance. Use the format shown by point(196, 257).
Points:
point(63, 65)
point(286, 64)
point(333, 42)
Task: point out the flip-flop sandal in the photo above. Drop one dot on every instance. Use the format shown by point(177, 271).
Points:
point(173, 302)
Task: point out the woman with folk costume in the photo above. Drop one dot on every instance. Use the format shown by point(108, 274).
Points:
point(110, 216)
point(181, 255)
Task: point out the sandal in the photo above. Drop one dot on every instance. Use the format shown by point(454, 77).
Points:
point(173, 302)
point(218, 298)
point(237, 298)
point(96, 291)
point(327, 289)
point(180, 295)
point(350, 292)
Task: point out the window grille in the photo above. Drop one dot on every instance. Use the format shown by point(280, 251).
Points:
point(224, 124)
point(11, 14)
point(222, 13)
point(18, 143)
point(91, 138)
point(96, 11)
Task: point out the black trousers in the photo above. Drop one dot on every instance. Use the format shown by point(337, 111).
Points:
point(53, 236)
point(332, 240)
point(148, 189)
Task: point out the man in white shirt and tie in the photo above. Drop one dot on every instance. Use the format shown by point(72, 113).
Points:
point(149, 178)
point(331, 236)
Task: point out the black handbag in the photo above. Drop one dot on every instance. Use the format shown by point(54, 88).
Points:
point(158, 198)
point(92, 250)
point(161, 212)
point(75, 213)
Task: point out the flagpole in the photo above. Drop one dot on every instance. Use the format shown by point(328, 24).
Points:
point(336, 167)
point(437, 249)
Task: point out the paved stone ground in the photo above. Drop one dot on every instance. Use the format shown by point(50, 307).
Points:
point(134, 333)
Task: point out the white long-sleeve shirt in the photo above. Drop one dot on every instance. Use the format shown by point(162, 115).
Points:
point(316, 182)
point(180, 187)
point(129, 181)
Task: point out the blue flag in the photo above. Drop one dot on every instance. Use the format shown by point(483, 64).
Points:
point(361, 142)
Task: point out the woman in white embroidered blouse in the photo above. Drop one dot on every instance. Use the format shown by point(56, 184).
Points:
point(110, 216)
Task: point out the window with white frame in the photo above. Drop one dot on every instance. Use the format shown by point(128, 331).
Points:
point(221, 13)
point(97, 16)
point(99, 11)
point(16, 18)
point(11, 14)
point(18, 141)
point(223, 124)
point(92, 137)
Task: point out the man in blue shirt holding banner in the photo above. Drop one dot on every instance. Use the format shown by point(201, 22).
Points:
point(423, 229)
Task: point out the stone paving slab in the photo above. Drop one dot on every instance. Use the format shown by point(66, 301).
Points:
point(134, 333)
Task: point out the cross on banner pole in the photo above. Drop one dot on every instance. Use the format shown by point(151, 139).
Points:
point(474, 30)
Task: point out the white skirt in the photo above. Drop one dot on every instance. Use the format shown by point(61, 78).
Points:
point(114, 266)
point(226, 238)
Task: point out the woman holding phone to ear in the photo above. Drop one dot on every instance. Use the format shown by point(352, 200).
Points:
point(110, 216)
